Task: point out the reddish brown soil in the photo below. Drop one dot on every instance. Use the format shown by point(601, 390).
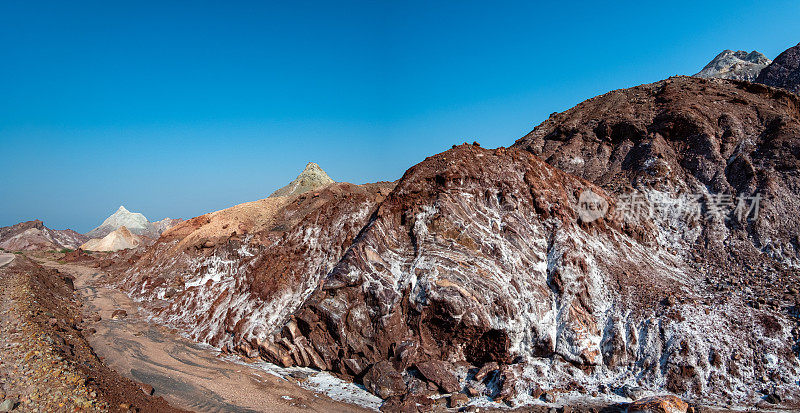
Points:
point(47, 364)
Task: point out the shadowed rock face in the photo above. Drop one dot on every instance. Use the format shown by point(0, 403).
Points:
point(479, 256)
point(784, 72)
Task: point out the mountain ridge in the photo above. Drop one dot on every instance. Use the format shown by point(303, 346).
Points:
point(34, 235)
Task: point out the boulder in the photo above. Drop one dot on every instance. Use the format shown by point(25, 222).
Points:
point(441, 373)
point(658, 404)
point(119, 314)
point(383, 380)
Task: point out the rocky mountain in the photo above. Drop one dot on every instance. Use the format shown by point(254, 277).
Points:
point(118, 239)
point(248, 266)
point(642, 242)
point(33, 235)
point(135, 222)
point(784, 72)
point(312, 177)
point(738, 65)
point(687, 136)
point(479, 259)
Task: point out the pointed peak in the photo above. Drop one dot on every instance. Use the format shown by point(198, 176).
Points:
point(312, 177)
point(122, 209)
point(313, 168)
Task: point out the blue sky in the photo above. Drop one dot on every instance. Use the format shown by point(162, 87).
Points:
point(181, 108)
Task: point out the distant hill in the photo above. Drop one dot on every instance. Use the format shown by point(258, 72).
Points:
point(119, 239)
point(135, 222)
point(33, 235)
point(738, 65)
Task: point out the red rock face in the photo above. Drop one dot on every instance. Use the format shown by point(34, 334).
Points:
point(784, 72)
point(479, 256)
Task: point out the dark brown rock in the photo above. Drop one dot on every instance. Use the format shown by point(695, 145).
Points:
point(119, 314)
point(784, 71)
point(384, 381)
point(441, 373)
point(408, 404)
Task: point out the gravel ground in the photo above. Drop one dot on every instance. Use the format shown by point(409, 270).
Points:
point(45, 362)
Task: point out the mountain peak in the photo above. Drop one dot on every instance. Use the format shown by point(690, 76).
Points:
point(134, 221)
point(739, 65)
point(312, 177)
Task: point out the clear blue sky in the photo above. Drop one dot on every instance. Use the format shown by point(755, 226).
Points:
point(181, 108)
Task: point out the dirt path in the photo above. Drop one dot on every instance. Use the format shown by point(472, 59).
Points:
point(185, 374)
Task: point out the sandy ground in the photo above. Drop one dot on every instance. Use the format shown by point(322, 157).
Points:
point(185, 374)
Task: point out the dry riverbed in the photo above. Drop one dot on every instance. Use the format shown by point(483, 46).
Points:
point(192, 376)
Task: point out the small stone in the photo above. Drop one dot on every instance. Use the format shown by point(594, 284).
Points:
point(473, 392)
point(632, 392)
point(773, 398)
point(486, 369)
point(384, 381)
point(458, 400)
point(119, 314)
point(8, 405)
point(441, 373)
point(147, 389)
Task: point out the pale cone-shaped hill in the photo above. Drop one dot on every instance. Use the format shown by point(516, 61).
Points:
point(119, 239)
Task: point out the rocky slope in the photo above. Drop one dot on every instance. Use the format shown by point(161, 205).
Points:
point(738, 65)
point(480, 261)
point(784, 72)
point(119, 239)
point(713, 140)
point(222, 275)
point(312, 177)
point(33, 235)
point(166, 224)
point(134, 222)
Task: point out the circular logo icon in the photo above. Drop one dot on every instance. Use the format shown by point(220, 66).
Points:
point(591, 206)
